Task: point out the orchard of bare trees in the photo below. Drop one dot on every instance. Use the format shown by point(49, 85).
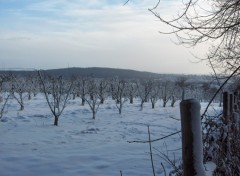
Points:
point(92, 92)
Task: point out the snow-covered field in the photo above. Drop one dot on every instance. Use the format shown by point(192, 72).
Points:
point(80, 146)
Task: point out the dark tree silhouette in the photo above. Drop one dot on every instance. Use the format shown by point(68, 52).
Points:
point(56, 91)
point(213, 21)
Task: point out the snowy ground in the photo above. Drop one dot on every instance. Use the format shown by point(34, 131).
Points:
point(80, 146)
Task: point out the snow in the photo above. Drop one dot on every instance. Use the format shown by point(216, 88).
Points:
point(31, 145)
point(209, 168)
point(197, 137)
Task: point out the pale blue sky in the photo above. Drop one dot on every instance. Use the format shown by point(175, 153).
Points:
point(45, 34)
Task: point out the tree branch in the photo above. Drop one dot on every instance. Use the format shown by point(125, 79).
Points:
point(154, 139)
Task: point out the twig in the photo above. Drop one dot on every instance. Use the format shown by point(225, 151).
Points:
point(164, 169)
point(121, 173)
point(126, 2)
point(154, 139)
point(155, 6)
point(150, 148)
point(166, 158)
point(174, 118)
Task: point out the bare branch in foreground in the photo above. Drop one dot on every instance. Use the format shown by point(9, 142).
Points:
point(126, 2)
point(164, 169)
point(155, 139)
point(150, 148)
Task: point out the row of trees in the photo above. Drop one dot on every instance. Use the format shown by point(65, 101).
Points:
point(92, 91)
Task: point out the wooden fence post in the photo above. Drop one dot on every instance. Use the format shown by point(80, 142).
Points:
point(192, 147)
point(235, 106)
point(226, 111)
point(231, 104)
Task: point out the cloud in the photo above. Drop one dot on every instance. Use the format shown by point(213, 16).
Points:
point(61, 33)
point(15, 38)
point(64, 15)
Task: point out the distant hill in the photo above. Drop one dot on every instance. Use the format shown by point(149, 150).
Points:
point(102, 72)
point(98, 72)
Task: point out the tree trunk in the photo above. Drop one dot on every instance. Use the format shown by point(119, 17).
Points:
point(94, 114)
point(131, 100)
point(153, 105)
point(183, 94)
point(29, 96)
point(83, 101)
point(141, 105)
point(120, 110)
point(164, 103)
point(21, 107)
point(118, 101)
point(173, 101)
point(21, 102)
point(55, 120)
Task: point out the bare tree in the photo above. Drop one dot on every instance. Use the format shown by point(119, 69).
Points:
point(167, 89)
point(196, 91)
point(112, 82)
point(181, 83)
point(4, 95)
point(119, 93)
point(82, 88)
point(103, 86)
point(131, 90)
point(3, 103)
point(56, 91)
point(36, 85)
point(212, 21)
point(75, 88)
point(2, 80)
point(92, 97)
point(144, 89)
point(154, 93)
point(31, 85)
point(216, 21)
point(18, 89)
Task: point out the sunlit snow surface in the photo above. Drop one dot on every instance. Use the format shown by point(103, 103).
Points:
point(80, 146)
